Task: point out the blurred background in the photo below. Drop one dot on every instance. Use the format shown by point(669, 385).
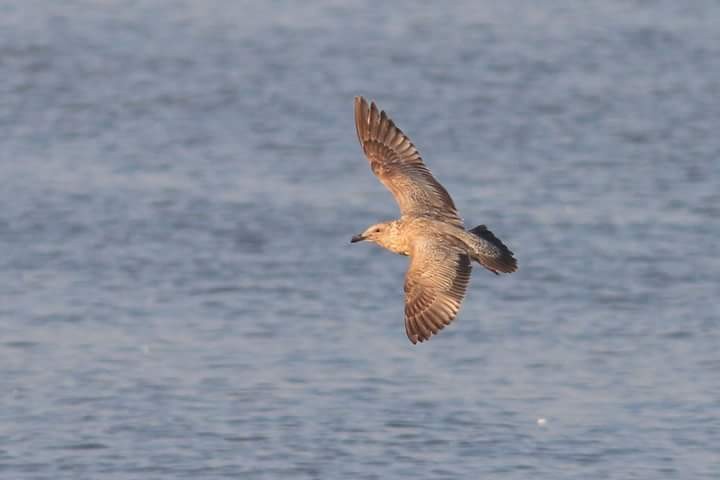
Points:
point(180, 181)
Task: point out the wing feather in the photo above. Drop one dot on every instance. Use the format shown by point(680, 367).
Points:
point(435, 285)
point(398, 165)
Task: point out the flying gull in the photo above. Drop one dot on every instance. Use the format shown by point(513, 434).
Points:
point(429, 229)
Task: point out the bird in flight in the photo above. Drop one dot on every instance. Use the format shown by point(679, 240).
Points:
point(429, 230)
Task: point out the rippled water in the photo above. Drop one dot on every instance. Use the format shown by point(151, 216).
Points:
point(178, 298)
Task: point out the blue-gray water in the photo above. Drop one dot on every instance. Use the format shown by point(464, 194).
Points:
point(180, 180)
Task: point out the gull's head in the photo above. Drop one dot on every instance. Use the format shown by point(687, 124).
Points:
point(374, 233)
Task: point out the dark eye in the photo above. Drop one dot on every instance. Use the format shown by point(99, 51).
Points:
point(377, 230)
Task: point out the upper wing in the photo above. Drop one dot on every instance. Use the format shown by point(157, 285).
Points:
point(397, 163)
point(435, 285)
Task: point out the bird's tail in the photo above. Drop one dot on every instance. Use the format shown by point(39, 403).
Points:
point(491, 253)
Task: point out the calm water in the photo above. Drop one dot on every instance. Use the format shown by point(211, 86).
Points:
point(180, 180)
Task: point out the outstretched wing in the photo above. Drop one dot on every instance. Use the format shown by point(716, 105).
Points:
point(435, 285)
point(397, 164)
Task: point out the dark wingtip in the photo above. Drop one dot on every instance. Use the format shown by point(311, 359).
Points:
point(361, 119)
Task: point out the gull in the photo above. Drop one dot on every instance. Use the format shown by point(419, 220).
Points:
point(429, 230)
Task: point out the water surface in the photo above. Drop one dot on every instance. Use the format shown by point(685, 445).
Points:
point(180, 180)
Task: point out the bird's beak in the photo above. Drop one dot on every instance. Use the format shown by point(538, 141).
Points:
point(357, 238)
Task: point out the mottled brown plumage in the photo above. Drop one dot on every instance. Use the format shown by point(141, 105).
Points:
point(429, 230)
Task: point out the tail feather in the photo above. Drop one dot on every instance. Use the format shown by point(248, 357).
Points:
point(498, 258)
